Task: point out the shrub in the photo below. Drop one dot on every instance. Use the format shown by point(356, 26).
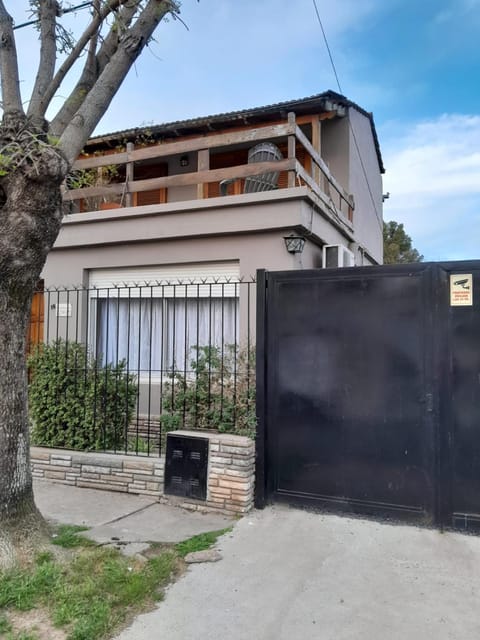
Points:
point(75, 402)
point(217, 394)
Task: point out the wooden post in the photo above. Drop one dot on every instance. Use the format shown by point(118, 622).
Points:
point(292, 142)
point(203, 164)
point(129, 177)
point(351, 207)
point(317, 145)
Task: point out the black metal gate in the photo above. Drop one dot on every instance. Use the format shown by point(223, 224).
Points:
point(369, 391)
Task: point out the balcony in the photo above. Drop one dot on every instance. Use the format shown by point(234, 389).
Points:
point(211, 169)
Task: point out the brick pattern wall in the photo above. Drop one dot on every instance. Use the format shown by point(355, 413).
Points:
point(230, 484)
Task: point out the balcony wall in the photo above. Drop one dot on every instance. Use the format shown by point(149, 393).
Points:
point(248, 228)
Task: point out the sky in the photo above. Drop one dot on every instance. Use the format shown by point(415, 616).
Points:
point(414, 64)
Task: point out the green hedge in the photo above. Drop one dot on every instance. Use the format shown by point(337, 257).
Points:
point(75, 402)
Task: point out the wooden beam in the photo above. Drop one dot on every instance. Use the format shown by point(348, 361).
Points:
point(184, 179)
point(210, 142)
point(129, 177)
point(101, 161)
point(186, 146)
point(292, 149)
point(203, 164)
point(317, 145)
point(301, 137)
point(328, 115)
point(319, 193)
point(197, 143)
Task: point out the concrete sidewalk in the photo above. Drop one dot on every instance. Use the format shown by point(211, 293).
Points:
point(287, 574)
point(134, 521)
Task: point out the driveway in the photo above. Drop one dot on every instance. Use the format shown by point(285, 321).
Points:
point(287, 574)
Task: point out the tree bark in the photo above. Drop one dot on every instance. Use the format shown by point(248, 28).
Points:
point(30, 219)
point(31, 172)
point(11, 97)
point(22, 528)
point(48, 10)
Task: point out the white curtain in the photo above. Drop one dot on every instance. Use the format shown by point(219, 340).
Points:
point(202, 322)
point(154, 334)
point(130, 330)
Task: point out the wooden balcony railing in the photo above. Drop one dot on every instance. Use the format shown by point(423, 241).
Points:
point(123, 189)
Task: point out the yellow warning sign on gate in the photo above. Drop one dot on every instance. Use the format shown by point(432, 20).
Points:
point(461, 290)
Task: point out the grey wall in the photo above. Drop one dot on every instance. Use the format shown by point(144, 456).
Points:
point(70, 266)
point(368, 216)
point(336, 148)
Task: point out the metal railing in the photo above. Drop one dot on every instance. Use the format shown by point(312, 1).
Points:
point(115, 368)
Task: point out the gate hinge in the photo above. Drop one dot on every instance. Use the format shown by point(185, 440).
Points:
point(429, 401)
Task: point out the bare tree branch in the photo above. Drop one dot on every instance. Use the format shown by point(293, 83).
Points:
point(48, 11)
point(110, 43)
point(90, 32)
point(93, 67)
point(98, 100)
point(11, 97)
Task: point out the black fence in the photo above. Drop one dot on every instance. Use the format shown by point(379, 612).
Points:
point(115, 368)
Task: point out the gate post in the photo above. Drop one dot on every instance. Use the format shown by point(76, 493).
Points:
point(261, 391)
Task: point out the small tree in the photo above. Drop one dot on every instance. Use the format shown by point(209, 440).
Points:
point(397, 245)
point(218, 394)
point(36, 154)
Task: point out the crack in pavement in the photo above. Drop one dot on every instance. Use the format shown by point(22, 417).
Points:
point(130, 513)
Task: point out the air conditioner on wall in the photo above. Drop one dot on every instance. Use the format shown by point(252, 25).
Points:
point(336, 255)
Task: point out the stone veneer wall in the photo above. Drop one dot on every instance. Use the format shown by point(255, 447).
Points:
point(231, 473)
point(110, 472)
point(230, 483)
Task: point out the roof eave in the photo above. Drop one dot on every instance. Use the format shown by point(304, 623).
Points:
point(326, 101)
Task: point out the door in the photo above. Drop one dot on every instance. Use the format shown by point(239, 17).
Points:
point(35, 330)
point(348, 407)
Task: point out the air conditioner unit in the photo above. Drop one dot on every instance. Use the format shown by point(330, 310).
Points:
point(336, 255)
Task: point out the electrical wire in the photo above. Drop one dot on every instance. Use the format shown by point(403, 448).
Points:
point(84, 5)
point(364, 171)
point(327, 45)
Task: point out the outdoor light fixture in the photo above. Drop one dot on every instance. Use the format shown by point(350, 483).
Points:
point(184, 161)
point(294, 244)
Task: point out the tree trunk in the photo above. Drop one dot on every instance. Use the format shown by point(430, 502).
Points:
point(32, 169)
point(30, 219)
point(22, 528)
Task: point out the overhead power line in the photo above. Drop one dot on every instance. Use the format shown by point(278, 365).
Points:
point(327, 45)
point(364, 171)
point(84, 5)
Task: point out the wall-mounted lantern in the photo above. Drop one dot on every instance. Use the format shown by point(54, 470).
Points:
point(294, 244)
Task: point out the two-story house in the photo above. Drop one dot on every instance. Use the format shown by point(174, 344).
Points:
point(208, 200)
point(184, 195)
